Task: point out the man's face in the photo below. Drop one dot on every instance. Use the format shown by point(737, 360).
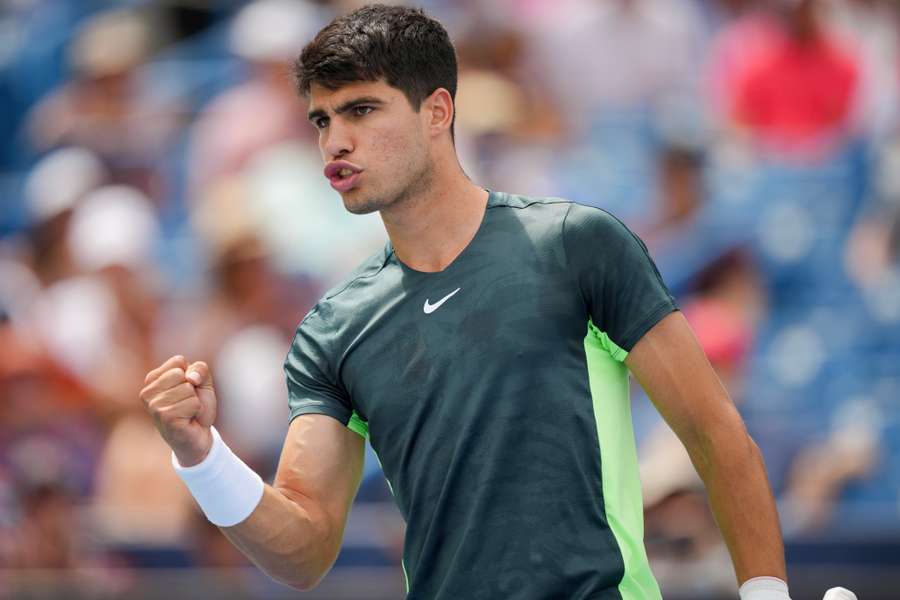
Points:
point(373, 143)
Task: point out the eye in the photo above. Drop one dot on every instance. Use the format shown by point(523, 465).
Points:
point(362, 110)
point(320, 123)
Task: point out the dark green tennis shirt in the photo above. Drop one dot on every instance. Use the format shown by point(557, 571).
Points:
point(495, 397)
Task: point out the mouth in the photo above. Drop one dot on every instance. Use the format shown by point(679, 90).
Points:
point(342, 175)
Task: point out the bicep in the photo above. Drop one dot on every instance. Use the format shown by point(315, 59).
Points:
point(321, 462)
point(670, 365)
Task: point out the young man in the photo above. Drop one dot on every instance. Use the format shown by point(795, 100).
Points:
point(485, 352)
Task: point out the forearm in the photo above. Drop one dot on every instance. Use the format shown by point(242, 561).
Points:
point(732, 468)
point(283, 531)
point(286, 537)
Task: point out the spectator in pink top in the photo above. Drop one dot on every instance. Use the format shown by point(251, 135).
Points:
point(795, 83)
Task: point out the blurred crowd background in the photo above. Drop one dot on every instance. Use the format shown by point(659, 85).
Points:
point(162, 193)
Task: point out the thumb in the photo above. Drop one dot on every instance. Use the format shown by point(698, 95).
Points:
point(198, 374)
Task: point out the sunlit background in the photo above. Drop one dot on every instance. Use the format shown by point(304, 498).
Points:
point(162, 193)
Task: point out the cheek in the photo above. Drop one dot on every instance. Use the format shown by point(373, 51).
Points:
point(389, 143)
point(399, 150)
point(393, 142)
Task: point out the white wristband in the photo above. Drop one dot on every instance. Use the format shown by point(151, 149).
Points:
point(764, 588)
point(226, 489)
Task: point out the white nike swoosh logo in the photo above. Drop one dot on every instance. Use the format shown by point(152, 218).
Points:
point(430, 308)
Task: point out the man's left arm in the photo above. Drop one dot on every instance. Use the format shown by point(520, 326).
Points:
point(673, 370)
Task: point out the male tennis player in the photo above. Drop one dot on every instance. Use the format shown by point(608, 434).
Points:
point(485, 352)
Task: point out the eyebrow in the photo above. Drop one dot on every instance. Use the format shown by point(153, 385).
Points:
point(346, 106)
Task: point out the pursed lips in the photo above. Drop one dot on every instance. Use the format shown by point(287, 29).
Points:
point(343, 175)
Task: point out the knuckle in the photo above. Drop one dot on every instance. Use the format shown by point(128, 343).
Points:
point(155, 410)
point(163, 414)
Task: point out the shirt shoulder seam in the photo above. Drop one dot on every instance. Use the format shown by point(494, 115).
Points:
point(363, 275)
point(532, 202)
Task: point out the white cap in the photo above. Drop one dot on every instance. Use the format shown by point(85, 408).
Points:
point(59, 179)
point(111, 42)
point(273, 30)
point(839, 593)
point(114, 225)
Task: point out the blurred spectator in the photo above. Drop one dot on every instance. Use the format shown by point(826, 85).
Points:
point(872, 28)
point(251, 408)
point(495, 96)
point(49, 440)
point(53, 188)
point(617, 55)
point(45, 537)
point(265, 109)
point(139, 502)
point(681, 190)
point(790, 79)
point(873, 246)
point(506, 124)
point(110, 309)
point(246, 285)
point(821, 471)
point(104, 108)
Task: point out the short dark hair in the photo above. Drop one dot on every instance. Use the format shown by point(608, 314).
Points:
point(408, 49)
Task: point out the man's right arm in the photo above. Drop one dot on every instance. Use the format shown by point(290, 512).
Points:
point(292, 529)
point(295, 532)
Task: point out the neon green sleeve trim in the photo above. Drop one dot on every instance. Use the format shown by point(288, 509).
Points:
point(357, 425)
point(608, 379)
point(618, 354)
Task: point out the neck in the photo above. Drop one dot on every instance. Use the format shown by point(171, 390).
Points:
point(430, 229)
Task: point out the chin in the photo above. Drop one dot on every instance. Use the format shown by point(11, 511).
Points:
point(361, 205)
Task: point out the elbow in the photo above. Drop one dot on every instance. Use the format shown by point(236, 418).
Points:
point(310, 567)
point(302, 550)
point(301, 578)
point(303, 585)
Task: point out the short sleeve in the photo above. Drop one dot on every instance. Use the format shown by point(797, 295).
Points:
point(621, 286)
point(312, 384)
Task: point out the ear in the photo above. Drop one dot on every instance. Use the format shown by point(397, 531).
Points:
point(438, 110)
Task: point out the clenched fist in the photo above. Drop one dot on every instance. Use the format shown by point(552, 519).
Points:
point(182, 402)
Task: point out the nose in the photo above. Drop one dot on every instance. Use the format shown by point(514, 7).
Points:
point(336, 141)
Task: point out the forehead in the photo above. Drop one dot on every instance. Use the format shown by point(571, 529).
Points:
point(322, 98)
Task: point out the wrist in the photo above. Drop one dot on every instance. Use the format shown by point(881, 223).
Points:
point(192, 457)
point(226, 489)
point(764, 588)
